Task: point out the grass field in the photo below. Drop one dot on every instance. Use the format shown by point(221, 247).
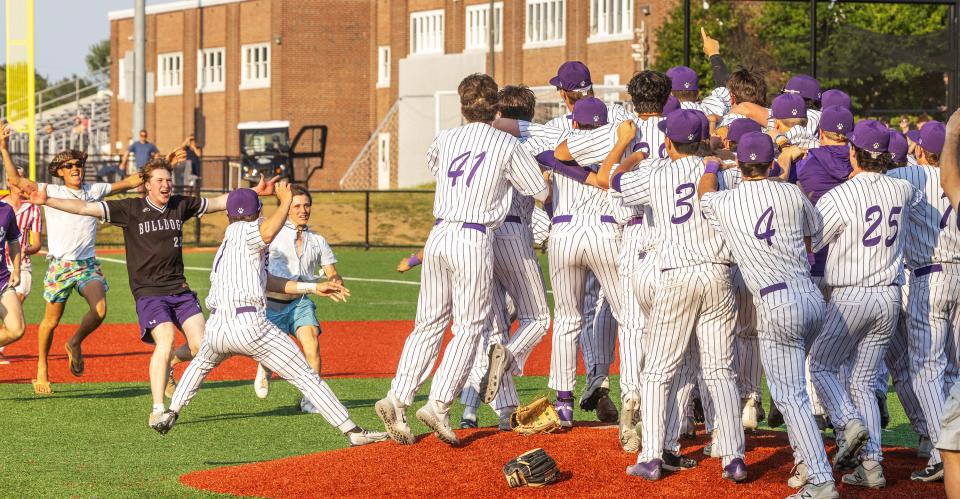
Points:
point(90, 439)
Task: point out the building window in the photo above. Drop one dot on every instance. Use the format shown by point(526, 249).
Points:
point(478, 34)
point(545, 23)
point(255, 72)
point(383, 161)
point(210, 70)
point(170, 73)
point(611, 19)
point(426, 32)
point(383, 66)
point(122, 92)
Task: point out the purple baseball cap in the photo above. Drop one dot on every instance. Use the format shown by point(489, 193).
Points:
point(590, 111)
point(788, 106)
point(704, 127)
point(683, 126)
point(741, 126)
point(242, 202)
point(898, 146)
point(834, 97)
point(683, 78)
point(913, 135)
point(871, 136)
point(572, 75)
point(672, 105)
point(755, 147)
point(932, 136)
point(836, 119)
point(807, 86)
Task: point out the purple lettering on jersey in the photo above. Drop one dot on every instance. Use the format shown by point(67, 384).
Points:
point(894, 224)
point(642, 147)
point(683, 203)
point(768, 230)
point(946, 215)
point(874, 215)
point(662, 151)
point(456, 167)
point(476, 165)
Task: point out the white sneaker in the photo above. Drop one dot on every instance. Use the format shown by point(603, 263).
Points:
point(261, 383)
point(826, 490)
point(629, 419)
point(799, 475)
point(855, 436)
point(364, 437)
point(394, 417)
point(748, 415)
point(438, 422)
point(306, 406)
point(863, 477)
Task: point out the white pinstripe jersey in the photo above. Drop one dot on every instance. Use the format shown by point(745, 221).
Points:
point(933, 235)
point(569, 196)
point(520, 205)
point(540, 225)
point(649, 137)
point(731, 117)
point(615, 114)
point(669, 188)
point(806, 137)
point(239, 275)
point(862, 221)
point(589, 148)
point(764, 223)
point(475, 165)
point(717, 102)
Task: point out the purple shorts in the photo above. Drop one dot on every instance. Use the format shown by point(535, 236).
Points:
point(155, 310)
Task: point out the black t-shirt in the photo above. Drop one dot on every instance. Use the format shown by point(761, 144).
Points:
point(153, 238)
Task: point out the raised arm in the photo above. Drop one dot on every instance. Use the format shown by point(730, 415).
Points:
point(711, 49)
point(76, 206)
point(13, 176)
point(950, 161)
point(272, 225)
point(753, 111)
point(333, 290)
point(626, 133)
point(263, 188)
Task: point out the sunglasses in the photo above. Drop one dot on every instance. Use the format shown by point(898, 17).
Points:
point(71, 165)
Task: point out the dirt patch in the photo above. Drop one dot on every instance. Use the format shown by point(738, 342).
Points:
point(114, 353)
point(590, 458)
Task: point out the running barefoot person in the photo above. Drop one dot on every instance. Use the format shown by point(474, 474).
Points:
point(153, 238)
point(72, 263)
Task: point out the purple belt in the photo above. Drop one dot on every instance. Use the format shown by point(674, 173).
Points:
point(929, 269)
point(635, 221)
point(559, 219)
point(466, 225)
point(780, 286)
point(239, 310)
point(513, 219)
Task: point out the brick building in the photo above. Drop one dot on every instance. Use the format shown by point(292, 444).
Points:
point(214, 63)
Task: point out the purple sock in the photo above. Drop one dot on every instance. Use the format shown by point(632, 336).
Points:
point(565, 395)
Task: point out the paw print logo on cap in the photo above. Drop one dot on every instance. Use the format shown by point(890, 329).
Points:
point(839, 126)
point(686, 84)
point(690, 137)
point(753, 156)
point(876, 145)
point(794, 112)
point(596, 119)
point(240, 211)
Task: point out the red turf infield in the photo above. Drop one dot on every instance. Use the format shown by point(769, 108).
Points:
point(115, 353)
point(590, 458)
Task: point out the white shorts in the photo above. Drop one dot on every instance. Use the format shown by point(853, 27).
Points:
point(26, 282)
point(950, 422)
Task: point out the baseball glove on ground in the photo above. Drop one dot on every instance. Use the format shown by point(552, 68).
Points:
point(538, 416)
point(534, 468)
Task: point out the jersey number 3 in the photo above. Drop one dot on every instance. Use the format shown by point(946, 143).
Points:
point(459, 163)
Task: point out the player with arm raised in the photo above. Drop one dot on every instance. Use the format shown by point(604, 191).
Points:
point(768, 225)
point(864, 222)
point(475, 166)
point(238, 324)
point(297, 253)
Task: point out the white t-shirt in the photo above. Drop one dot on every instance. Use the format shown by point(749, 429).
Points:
point(69, 236)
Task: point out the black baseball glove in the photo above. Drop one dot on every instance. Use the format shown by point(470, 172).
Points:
point(534, 468)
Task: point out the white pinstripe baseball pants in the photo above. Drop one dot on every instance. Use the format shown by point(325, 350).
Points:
point(932, 322)
point(636, 276)
point(598, 336)
point(456, 284)
point(691, 300)
point(517, 274)
point(582, 244)
point(252, 335)
point(747, 344)
point(787, 323)
point(856, 330)
point(898, 366)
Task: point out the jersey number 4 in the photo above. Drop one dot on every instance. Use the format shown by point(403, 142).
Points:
point(460, 162)
point(767, 231)
point(874, 215)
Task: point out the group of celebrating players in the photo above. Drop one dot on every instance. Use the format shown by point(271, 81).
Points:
point(714, 239)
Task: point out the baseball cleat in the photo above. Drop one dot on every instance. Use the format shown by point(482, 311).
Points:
point(932, 473)
point(394, 420)
point(748, 414)
point(627, 430)
point(924, 448)
point(564, 408)
point(708, 450)
point(504, 423)
point(736, 471)
point(884, 411)
point(499, 361)
point(863, 477)
point(468, 423)
point(689, 428)
point(165, 422)
point(775, 418)
point(855, 436)
point(799, 475)
point(825, 490)
point(261, 383)
point(363, 437)
point(437, 422)
point(698, 415)
point(171, 384)
point(712, 449)
point(606, 411)
point(761, 414)
point(676, 462)
point(649, 470)
point(596, 388)
point(307, 407)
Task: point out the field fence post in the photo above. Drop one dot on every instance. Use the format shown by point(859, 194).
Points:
point(366, 223)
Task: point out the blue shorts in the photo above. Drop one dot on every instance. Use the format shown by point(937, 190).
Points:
point(294, 315)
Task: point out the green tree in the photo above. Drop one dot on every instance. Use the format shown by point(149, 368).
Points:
point(720, 21)
point(98, 56)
